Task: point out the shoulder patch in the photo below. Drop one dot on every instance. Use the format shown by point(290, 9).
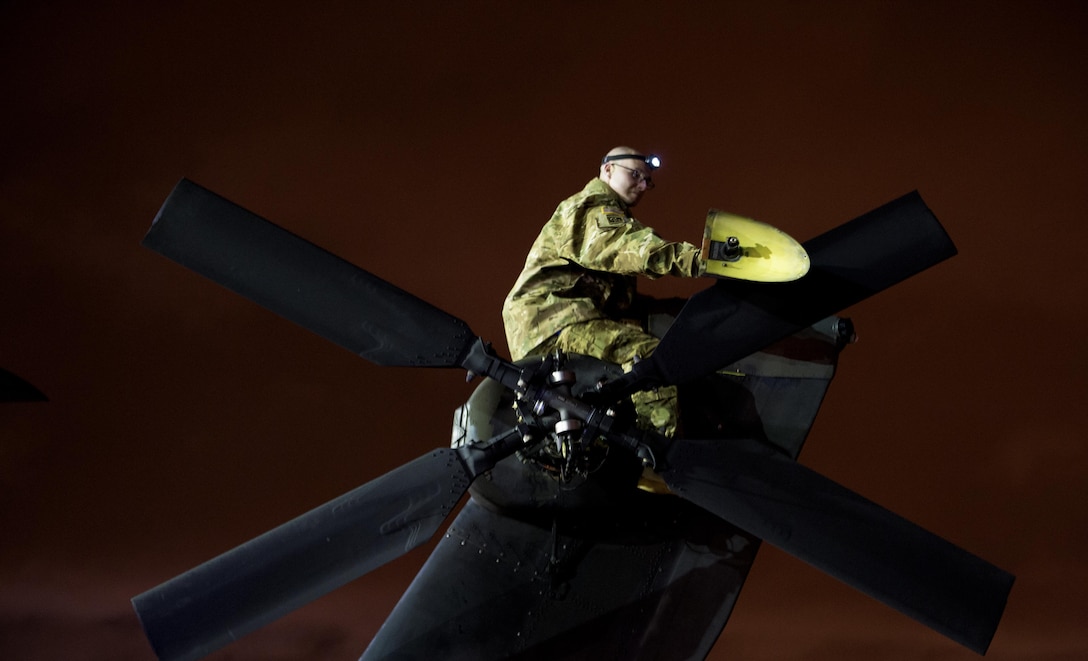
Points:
point(609, 217)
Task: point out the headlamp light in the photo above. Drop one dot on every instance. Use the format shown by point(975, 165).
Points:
point(652, 160)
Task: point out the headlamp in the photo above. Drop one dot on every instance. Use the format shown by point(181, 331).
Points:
point(652, 160)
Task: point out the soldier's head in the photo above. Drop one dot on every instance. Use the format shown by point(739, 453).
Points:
point(629, 173)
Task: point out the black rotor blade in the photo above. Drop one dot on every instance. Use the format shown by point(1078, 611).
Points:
point(843, 534)
point(733, 319)
point(240, 591)
point(304, 283)
point(15, 389)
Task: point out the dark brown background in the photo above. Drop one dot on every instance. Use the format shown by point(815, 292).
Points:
point(427, 142)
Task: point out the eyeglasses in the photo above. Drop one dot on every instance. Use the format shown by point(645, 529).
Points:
point(638, 176)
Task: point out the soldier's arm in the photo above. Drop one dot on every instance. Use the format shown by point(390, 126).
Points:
point(610, 241)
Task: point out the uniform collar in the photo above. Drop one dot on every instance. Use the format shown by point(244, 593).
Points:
point(600, 189)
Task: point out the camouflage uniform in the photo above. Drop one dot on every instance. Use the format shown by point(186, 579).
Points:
point(577, 290)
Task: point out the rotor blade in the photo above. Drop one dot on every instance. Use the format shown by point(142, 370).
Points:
point(304, 283)
point(843, 534)
point(15, 389)
point(733, 319)
point(227, 597)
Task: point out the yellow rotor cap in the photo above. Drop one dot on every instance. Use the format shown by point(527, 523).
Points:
point(745, 249)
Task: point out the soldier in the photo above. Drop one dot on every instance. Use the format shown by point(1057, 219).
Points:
point(577, 291)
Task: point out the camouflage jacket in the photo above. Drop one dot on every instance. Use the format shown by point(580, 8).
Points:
point(583, 266)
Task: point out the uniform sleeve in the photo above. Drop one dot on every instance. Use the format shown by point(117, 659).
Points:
point(611, 241)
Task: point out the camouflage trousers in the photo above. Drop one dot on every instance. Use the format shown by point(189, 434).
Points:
point(621, 344)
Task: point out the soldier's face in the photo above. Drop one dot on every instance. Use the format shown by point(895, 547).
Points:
point(630, 179)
